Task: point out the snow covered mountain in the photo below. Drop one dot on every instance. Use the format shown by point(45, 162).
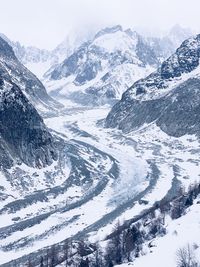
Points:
point(24, 139)
point(42, 172)
point(35, 59)
point(178, 34)
point(13, 71)
point(101, 69)
point(40, 60)
point(165, 46)
point(168, 97)
point(54, 177)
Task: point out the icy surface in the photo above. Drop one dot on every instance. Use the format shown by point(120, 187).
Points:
point(123, 161)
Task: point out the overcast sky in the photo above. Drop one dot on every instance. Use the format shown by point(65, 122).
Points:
point(45, 23)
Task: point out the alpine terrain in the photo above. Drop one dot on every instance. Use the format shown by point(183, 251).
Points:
point(99, 161)
point(100, 70)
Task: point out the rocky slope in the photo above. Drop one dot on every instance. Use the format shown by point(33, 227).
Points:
point(101, 69)
point(25, 142)
point(47, 198)
point(40, 60)
point(13, 71)
point(35, 59)
point(23, 135)
point(168, 97)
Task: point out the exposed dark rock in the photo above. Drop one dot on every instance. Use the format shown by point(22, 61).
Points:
point(23, 135)
point(12, 70)
point(178, 112)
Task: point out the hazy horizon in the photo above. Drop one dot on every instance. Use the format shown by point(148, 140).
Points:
point(46, 23)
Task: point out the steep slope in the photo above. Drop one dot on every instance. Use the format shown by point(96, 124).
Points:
point(25, 143)
point(30, 158)
point(35, 59)
point(24, 136)
point(179, 234)
point(40, 60)
point(12, 70)
point(113, 55)
point(168, 97)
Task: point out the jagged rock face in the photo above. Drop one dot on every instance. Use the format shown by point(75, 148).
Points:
point(175, 114)
point(73, 64)
point(98, 66)
point(164, 97)
point(108, 30)
point(86, 62)
point(12, 70)
point(5, 50)
point(23, 130)
point(23, 135)
point(184, 60)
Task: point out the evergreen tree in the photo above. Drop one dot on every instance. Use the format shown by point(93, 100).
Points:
point(41, 262)
point(52, 257)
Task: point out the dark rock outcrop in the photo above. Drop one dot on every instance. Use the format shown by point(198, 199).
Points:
point(23, 130)
point(176, 111)
point(23, 135)
point(113, 50)
point(12, 70)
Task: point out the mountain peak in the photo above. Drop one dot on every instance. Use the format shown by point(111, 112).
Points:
point(6, 50)
point(178, 34)
point(178, 29)
point(109, 30)
point(165, 97)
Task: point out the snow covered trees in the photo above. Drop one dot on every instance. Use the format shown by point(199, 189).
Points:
point(128, 240)
point(114, 247)
point(41, 261)
point(186, 257)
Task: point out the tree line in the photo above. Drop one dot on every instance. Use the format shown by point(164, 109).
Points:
point(124, 245)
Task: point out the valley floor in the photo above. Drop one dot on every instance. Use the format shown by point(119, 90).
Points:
point(108, 173)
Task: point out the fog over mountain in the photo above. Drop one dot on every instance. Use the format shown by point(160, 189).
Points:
point(99, 133)
point(49, 20)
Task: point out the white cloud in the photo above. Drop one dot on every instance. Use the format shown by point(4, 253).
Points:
point(46, 22)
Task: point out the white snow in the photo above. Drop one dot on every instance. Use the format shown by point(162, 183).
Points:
point(115, 41)
point(122, 75)
point(154, 93)
point(131, 153)
point(180, 233)
point(39, 68)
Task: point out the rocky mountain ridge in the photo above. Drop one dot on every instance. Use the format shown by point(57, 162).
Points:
point(167, 97)
point(13, 70)
point(23, 133)
point(113, 55)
